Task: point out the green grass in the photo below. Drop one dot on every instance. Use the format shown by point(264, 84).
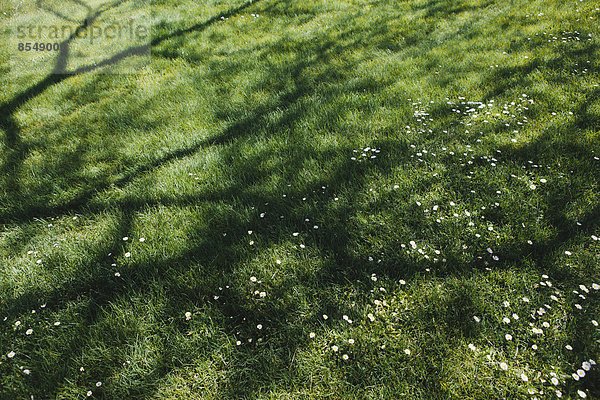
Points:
point(236, 166)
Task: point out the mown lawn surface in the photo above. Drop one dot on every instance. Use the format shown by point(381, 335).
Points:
point(308, 199)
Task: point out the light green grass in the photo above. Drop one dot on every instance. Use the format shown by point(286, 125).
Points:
point(236, 164)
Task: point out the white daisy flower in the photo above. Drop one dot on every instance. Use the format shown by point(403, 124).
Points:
point(586, 366)
point(524, 378)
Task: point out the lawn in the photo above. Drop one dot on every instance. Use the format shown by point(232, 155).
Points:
point(304, 199)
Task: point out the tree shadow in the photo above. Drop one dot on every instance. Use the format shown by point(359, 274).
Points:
point(101, 289)
point(17, 151)
point(209, 261)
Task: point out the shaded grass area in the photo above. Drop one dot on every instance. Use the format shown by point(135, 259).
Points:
point(286, 161)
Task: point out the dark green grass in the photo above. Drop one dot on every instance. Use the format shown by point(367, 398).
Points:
point(239, 156)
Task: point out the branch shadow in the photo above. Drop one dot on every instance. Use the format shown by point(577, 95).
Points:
point(12, 132)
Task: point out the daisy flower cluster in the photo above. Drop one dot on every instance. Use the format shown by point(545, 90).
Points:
point(530, 329)
point(368, 153)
